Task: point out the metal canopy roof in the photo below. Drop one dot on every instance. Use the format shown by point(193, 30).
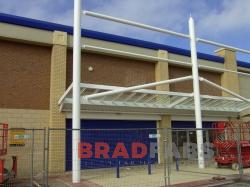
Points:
point(150, 102)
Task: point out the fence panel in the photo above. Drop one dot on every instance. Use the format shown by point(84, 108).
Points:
point(222, 156)
point(109, 157)
point(126, 157)
point(245, 150)
point(147, 157)
point(24, 157)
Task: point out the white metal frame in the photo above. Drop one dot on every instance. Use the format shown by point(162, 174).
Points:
point(116, 97)
point(153, 58)
point(77, 74)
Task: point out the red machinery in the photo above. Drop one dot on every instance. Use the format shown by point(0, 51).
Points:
point(6, 176)
point(229, 139)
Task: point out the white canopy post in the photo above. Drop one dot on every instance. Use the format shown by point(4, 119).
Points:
point(196, 88)
point(76, 170)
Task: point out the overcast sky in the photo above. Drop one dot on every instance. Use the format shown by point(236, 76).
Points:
point(226, 21)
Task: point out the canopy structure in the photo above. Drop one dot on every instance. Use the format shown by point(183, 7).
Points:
point(89, 97)
point(113, 99)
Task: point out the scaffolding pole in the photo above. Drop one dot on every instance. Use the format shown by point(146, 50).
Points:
point(196, 88)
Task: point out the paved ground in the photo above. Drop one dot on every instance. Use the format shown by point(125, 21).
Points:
point(138, 177)
point(188, 176)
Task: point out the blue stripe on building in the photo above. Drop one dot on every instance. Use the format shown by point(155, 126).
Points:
point(43, 25)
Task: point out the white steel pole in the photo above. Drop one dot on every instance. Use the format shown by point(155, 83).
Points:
point(148, 57)
point(225, 90)
point(132, 23)
point(196, 88)
point(222, 45)
point(132, 88)
point(76, 172)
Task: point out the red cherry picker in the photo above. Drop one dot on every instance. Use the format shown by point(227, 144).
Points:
point(6, 176)
point(232, 141)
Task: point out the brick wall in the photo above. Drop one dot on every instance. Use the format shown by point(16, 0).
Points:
point(25, 75)
point(113, 71)
point(187, 86)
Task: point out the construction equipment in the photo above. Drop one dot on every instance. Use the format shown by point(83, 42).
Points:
point(6, 176)
point(232, 143)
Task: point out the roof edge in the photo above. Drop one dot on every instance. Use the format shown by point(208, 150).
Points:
point(44, 25)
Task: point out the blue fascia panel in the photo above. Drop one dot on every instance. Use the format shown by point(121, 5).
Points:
point(243, 64)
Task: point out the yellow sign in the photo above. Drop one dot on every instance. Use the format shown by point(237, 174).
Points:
point(17, 137)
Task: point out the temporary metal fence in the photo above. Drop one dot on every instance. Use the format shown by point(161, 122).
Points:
point(27, 148)
point(108, 157)
point(129, 157)
point(148, 157)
